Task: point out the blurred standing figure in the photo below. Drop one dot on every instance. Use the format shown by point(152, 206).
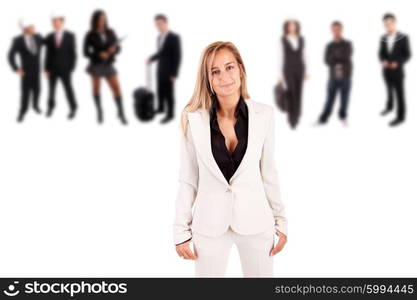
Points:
point(292, 68)
point(101, 46)
point(28, 47)
point(169, 58)
point(338, 57)
point(394, 52)
point(60, 62)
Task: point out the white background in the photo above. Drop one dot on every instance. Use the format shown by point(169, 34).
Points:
point(79, 199)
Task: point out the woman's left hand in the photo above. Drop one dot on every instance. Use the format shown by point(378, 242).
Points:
point(112, 49)
point(280, 245)
point(104, 55)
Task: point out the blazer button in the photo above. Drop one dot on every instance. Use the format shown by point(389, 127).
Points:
point(228, 190)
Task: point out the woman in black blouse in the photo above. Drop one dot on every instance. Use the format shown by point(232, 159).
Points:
point(228, 161)
point(101, 46)
point(229, 192)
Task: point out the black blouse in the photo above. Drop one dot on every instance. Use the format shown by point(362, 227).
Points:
point(228, 162)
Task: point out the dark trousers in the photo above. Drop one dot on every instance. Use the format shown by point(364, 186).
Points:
point(30, 87)
point(335, 85)
point(65, 78)
point(394, 80)
point(166, 99)
point(294, 83)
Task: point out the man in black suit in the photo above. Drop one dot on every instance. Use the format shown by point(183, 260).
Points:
point(169, 58)
point(60, 62)
point(394, 52)
point(28, 47)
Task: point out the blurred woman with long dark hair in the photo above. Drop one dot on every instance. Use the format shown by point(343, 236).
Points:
point(101, 45)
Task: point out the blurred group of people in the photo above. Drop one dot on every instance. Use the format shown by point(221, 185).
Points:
point(394, 52)
point(101, 46)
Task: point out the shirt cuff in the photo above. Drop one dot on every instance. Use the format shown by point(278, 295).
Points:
point(281, 228)
point(182, 237)
point(183, 242)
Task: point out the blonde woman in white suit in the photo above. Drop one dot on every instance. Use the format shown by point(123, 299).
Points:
point(229, 192)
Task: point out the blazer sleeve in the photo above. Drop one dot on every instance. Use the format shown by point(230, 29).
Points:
point(188, 179)
point(381, 54)
point(12, 55)
point(280, 61)
point(406, 52)
point(73, 51)
point(47, 62)
point(328, 57)
point(176, 55)
point(88, 52)
point(270, 178)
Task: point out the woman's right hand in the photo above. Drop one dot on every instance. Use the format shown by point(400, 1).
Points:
point(185, 251)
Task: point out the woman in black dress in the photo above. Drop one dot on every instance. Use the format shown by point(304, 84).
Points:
point(292, 69)
point(101, 46)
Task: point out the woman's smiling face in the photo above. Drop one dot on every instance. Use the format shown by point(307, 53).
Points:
point(225, 73)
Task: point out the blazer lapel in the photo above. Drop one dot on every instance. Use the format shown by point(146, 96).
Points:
point(200, 127)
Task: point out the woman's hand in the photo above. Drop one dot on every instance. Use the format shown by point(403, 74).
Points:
point(280, 245)
point(112, 49)
point(185, 252)
point(104, 54)
point(394, 65)
point(385, 64)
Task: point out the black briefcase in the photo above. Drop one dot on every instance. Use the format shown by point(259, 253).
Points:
point(280, 95)
point(144, 99)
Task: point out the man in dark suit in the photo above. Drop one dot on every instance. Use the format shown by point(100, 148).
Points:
point(394, 52)
point(168, 57)
point(28, 47)
point(60, 62)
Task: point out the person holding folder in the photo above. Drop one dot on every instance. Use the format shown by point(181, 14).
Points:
point(101, 46)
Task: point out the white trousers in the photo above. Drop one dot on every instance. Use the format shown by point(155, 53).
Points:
point(213, 253)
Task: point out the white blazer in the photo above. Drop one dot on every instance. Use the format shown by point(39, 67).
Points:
point(206, 203)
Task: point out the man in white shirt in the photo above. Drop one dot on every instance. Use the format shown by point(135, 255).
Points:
point(60, 62)
point(168, 57)
point(27, 47)
point(394, 52)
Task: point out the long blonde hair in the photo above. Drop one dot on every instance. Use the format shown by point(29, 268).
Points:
point(203, 90)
